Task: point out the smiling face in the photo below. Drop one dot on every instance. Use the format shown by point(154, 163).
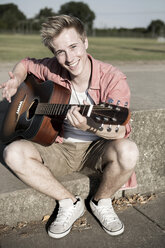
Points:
point(70, 52)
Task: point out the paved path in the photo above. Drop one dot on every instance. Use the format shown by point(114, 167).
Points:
point(144, 228)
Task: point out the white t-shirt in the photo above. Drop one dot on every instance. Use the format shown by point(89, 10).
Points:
point(71, 133)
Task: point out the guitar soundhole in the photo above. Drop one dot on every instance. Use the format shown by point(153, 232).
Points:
point(32, 108)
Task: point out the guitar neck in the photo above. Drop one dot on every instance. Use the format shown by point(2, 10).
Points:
point(53, 109)
point(104, 113)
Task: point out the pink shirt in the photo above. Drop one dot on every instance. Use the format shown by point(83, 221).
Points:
point(107, 84)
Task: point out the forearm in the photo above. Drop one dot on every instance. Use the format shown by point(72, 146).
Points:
point(106, 131)
point(19, 72)
point(88, 124)
point(17, 76)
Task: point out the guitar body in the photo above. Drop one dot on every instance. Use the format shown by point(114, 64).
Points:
point(20, 120)
point(38, 109)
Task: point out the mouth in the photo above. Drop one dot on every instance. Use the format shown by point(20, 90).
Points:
point(73, 65)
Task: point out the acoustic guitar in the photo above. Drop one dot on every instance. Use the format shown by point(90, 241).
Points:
point(38, 109)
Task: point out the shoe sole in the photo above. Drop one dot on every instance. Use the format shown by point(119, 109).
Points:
point(61, 235)
point(114, 233)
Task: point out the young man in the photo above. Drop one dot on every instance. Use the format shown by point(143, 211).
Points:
point(90, 82)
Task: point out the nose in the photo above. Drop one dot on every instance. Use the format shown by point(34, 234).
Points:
point(69, 56)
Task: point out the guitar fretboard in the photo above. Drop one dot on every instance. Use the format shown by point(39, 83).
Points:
point(58, 109)
point(105, 113)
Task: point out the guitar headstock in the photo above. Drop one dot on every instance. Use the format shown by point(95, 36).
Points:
point(106, 113)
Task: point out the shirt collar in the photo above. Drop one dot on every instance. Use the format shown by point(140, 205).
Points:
point(95, 76)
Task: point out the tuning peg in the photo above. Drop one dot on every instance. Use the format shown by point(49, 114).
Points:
point(114, 119)
point(117, 108)
point(98, 118)
point(110, 107)
point(101, 127)
point(106, 119)
point(109, 128)
point(126, 104)
point(110, 100)
point(117, 128)
point(118, 102)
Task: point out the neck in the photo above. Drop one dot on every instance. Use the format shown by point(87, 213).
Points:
point(82, 81)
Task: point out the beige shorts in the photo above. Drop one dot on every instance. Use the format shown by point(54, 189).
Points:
point(69, 157)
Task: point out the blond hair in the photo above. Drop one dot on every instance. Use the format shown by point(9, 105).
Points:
point(56, 24)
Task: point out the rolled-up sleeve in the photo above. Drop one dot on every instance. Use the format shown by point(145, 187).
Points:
point(119, 94)
point(36, 66)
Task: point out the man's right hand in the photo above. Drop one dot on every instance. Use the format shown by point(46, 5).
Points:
point(10, 87)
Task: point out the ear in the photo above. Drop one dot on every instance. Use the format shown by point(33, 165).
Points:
point(86, 43)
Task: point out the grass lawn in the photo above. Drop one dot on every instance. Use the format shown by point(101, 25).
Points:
point(14, 47)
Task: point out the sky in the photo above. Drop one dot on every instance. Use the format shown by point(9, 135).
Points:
point(109, 13)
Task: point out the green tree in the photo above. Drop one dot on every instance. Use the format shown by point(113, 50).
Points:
point(41, 17)
point(80, 10)
point(156, 28)
point(44, 13)
point(10, 17)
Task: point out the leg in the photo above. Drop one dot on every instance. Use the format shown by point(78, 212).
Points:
point(119, 158)
point(24, 159)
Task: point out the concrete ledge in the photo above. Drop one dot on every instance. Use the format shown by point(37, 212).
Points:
point(24, 205)
point(148, 131)
point(21, 203)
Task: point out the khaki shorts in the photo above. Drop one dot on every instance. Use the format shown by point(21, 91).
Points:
point(69, 157)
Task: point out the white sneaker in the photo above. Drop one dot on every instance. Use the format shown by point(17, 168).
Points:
point(68, 213)
point(106, 215)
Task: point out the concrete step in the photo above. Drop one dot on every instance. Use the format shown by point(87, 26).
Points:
point(19, 203)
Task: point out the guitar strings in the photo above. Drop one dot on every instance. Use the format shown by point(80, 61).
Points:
point(78, 101)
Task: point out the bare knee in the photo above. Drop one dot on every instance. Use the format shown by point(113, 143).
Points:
point(126, 153)
point(18, 153)
point(13, 154)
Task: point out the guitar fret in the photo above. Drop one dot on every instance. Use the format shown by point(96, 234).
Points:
point(51, 109)
point(63, 109)
point(54, 109)
point(47, 109)
point(44, 109)
point(66, 108)
point(58, 109)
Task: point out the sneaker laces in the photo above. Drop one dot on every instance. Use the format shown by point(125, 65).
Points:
point(63, 216)
point(107, 214)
